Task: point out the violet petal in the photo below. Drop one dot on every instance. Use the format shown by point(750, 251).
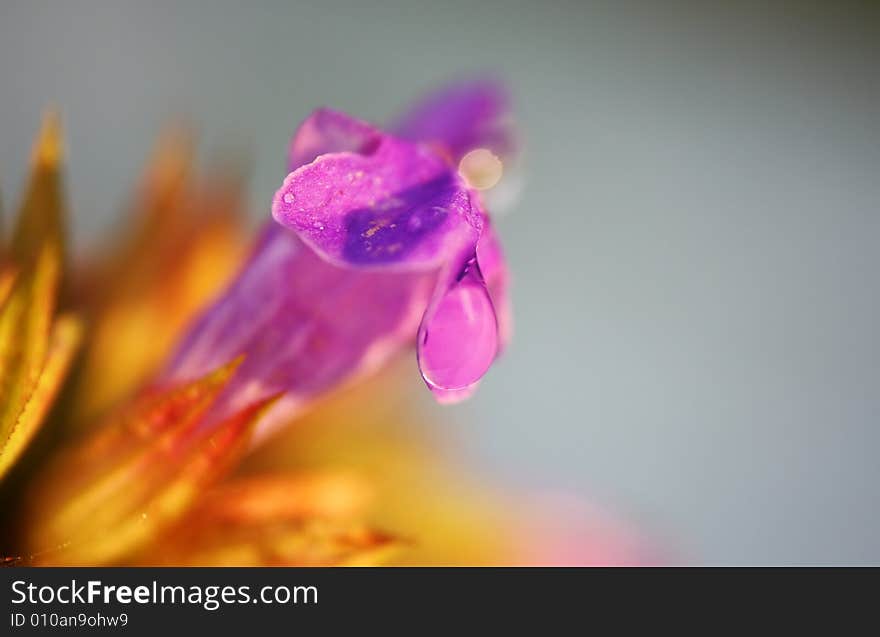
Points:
point(395, 205)
point(460, 117)
point(328, 131)
point(304, 325)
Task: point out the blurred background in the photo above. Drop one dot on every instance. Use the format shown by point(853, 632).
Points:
point(695, 250)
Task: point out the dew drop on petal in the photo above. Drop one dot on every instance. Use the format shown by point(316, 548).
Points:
point(459, 341)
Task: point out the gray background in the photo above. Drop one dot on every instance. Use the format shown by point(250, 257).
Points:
point(695, 250)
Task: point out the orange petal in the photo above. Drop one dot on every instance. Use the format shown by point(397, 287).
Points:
point(280, 519)
point(7, 278)
point(136, 476)
point(308, 542)
point(288, 496)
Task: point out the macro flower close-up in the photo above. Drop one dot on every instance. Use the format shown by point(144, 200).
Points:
point(379, 244)
point(485, 297)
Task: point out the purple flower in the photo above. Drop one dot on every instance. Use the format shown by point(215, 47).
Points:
point(379, 241)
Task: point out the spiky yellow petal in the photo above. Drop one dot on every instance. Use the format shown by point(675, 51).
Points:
point(66, 334)
point(43, 212)
point(35, 352)
point(136, 475)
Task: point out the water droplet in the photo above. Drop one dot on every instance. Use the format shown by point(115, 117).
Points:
point(463, 336)
point(480, 169)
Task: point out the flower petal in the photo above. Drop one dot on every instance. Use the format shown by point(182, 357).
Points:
point(35, 352)
point(460, 117)
point(140, 473)
point(285, 518)
point(63, 341)
point(41, 219)
point(375, 223)
point(327, 131)
point(304, 325)
point(397, 204)
point(207, 541)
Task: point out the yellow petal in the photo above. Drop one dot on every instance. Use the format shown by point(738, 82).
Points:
point(276, 519)
point(66, 334)
point(43, 211)
point(135, 476)
point(307, 542)
point(34, 353)
point(288, 496)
